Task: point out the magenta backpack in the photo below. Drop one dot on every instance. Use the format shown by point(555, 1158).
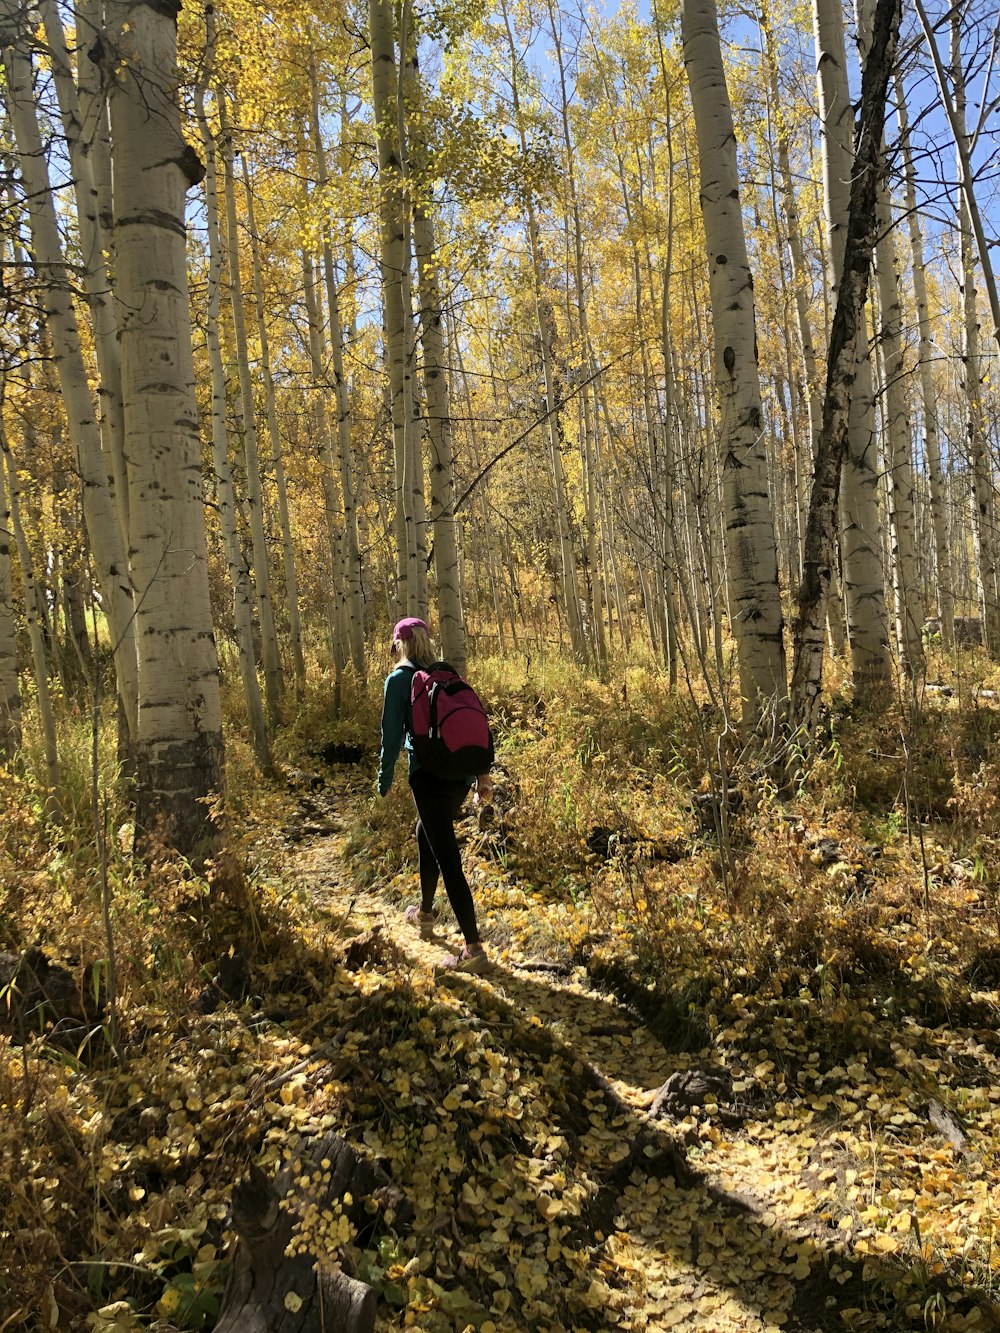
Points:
point(451, 736)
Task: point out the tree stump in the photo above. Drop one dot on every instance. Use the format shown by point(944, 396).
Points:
point(688, 1088)
point(271, 1292)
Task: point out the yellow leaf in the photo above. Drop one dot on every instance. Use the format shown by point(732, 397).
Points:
point(293, 1302)
point(50, 1309)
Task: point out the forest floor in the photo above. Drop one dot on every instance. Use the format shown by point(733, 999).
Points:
point(735, 1064)
point(857, 1189)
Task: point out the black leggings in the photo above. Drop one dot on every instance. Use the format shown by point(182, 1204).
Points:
point(439, 803)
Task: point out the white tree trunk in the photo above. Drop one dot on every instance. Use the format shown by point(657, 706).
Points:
point(340, 645)
point(57, 298)
point(752, 560)
point(36, 636)
point(437, 387)
point(897, 444)
point(95, 126)
point(801, 283)
point(239, 573)
point(10, 690)
point(179, 743)
point(801, 277)
point(353, 598)
point(568, 583)
point(898, 447)
point(983, 497)
point(270, 657)
point(96, 275)
point(954, 107)
point(860, 523)
point(926, 357)
point(846, 333)
point(274, 438)
point(586, 360)
point(984, 508)
point(411, 572)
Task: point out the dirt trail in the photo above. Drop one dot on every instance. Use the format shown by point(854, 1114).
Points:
point(737, 1250)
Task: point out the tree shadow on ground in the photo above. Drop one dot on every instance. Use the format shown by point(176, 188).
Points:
point(729, 1240)
point(707, 1243)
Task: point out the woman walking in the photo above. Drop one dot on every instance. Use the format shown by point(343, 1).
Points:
point(438, 800)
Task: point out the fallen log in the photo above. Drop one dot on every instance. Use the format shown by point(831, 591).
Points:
point(271, 1290)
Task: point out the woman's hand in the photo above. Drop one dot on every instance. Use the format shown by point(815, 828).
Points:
point(484, 789)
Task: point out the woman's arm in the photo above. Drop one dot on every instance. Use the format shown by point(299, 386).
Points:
point(395, 709)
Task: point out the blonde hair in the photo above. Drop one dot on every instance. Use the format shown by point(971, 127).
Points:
point(419, 647)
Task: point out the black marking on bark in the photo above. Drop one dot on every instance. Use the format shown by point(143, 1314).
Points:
point(191, 165)
point(154, 218)
point(168, 8)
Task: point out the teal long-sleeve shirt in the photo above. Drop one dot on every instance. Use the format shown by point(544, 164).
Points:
point(396, 723)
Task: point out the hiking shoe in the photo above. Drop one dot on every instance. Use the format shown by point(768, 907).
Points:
point(464, 962)
point(425, 922)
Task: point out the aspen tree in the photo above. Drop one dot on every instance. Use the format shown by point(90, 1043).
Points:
point(674, 415)
point(954, 108)
point(33, 620)
point(274, 438)
point(846, 333)
point(324, 447)
point(710, 512)
point(801, 284)
point(475, 449)
point(568, 582)
point(984, 507)
point(659, 601)
point(614, 594)
point(752, 562)
point(437, 389)
point(10, 685)
point(588, 411)
point(270, 658)
point(793, 233)
point(899, 458)
point(93, 228)
point(95, 127)
point(239, 573)
point(70, 585)
point(179, 741)
point(671, 561)
point(411, 580)
point(860, 523)
point(352, 595)
point(10, 691)
point(945, 587)
point(895, 414)
point(61, 321)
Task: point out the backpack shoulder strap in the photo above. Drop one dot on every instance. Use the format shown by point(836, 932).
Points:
point(412, 668)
